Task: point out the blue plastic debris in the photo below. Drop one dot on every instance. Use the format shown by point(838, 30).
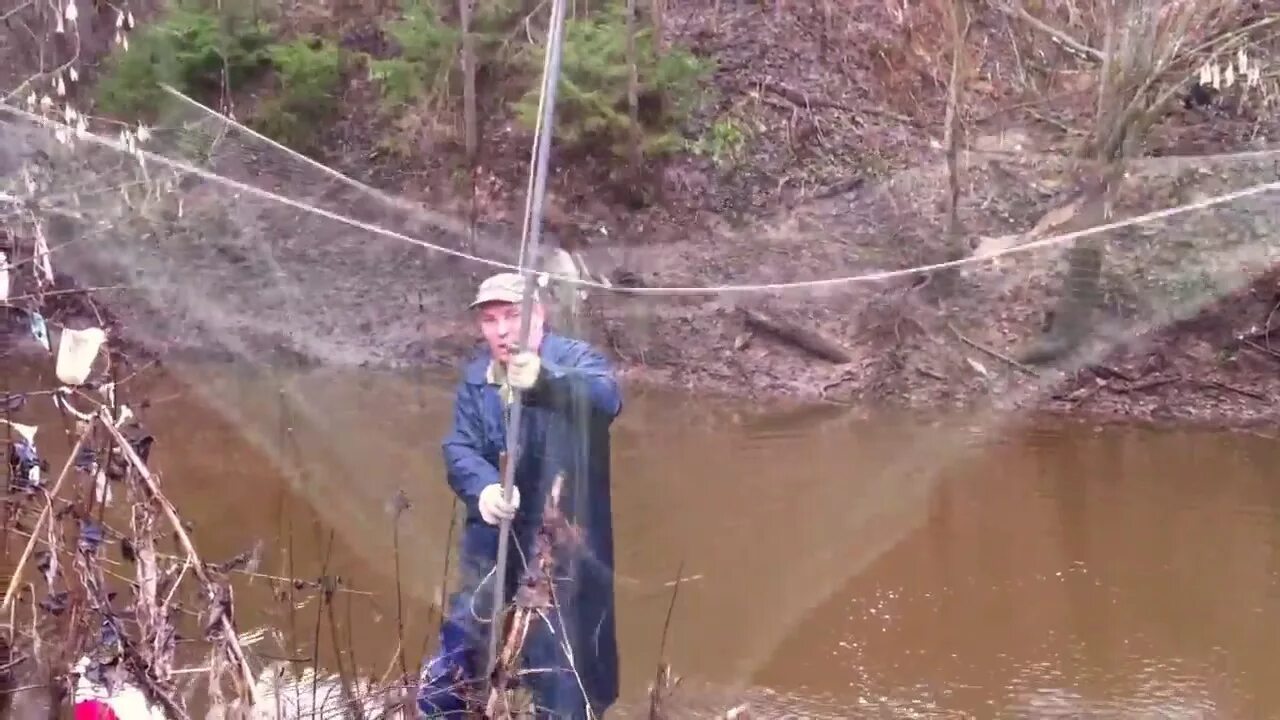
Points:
point(40, 330)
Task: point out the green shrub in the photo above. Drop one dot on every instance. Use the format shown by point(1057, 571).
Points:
point(428, 47)
point(191, 49)
point(591, 102)
point(308, 71)
point(724, 142)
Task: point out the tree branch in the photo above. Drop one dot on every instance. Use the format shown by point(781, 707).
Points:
point(1062, 37)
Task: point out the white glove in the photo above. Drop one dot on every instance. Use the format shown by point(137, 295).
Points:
point(493, 508)
point(523, 369)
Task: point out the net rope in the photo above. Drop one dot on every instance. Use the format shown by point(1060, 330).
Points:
point(1009, 243)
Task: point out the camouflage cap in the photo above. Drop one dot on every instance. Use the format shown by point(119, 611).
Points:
point(505, 287)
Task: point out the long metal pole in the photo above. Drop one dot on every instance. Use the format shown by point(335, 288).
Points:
point(533, 226)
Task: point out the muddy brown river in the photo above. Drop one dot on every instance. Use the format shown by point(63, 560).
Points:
point(833, 565)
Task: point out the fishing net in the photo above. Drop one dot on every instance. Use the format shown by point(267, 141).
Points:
point(311, 313)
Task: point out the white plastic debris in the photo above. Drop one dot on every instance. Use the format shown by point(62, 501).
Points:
point(77, 349)
point(4, 276)
point(124, 699)
point(108, 390)
point(60, 399)
point(28, 432)
point(102, 489)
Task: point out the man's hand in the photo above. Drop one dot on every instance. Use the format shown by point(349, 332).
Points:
point(493, 508)
point(523, 369)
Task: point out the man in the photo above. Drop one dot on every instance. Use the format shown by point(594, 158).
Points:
point(570, 398)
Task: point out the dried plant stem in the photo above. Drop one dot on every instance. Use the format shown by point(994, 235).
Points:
point(662, 682)
point(16, 579)
point(315, 634)
point(232, 639)
point(395, 544)
point(535, 599)
point(344, 677)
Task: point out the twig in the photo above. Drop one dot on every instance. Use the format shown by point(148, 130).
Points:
point(800, 99)
point(24, 688)
point(315, 634)
point(236, 571)
point(671, 608)
point(1265, 350)
point(1232, 388)
point(992, 352)
point(184, 540)
point(1055, 33)
point(930, 373)
point(395, 544)
point(111, 573)
point(344, 679)
point(44, 513)
point(391, 666)
point(1144, 385)
point(664, 670)
point(10, 13)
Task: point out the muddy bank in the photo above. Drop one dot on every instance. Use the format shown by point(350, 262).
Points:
point(1191, 375)
point(338, 278)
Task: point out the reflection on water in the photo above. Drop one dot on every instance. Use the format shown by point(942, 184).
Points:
point(849, 566)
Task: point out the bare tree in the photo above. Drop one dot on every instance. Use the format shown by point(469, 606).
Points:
point(1151, 50)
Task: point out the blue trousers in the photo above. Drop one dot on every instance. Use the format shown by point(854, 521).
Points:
point(456, 673)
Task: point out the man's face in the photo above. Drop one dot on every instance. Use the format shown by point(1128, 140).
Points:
point(500, 326)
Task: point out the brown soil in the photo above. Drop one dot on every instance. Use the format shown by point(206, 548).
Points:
point(843, 175)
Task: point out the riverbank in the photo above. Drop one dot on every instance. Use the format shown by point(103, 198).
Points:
point(905, 354)
point(1179, 336)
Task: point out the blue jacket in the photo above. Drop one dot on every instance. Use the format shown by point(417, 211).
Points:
point(564, 429)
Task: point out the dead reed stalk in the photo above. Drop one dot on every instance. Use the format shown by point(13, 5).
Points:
point(230, 640)
point(80, 620)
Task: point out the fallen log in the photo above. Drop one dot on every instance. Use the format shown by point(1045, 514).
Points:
point(806, 339)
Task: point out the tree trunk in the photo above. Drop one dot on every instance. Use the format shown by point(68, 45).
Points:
point(1072, 316)
point(944, 281)
point(657, 8)
point(469, 121)
point(633, 92)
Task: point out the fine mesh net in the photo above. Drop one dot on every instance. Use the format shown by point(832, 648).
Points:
point(323, 305)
